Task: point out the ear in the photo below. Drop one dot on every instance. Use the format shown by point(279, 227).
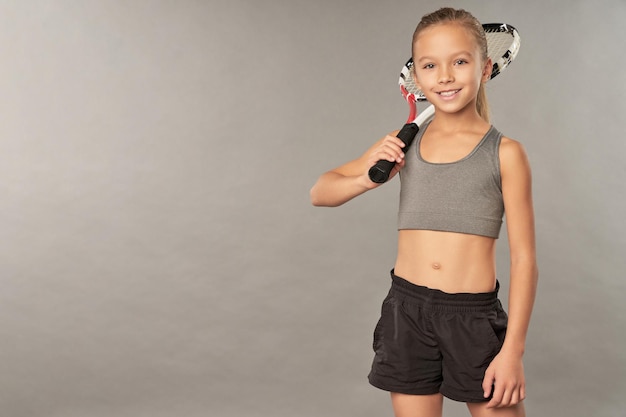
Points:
point(487, 70)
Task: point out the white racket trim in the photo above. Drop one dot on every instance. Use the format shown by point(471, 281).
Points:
point(425, 116)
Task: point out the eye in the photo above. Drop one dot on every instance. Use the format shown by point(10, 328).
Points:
point(460, 62)
point(429, 66)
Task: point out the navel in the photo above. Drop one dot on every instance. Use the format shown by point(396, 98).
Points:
point(436, 265)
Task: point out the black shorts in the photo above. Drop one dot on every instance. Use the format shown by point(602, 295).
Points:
point(428, 341)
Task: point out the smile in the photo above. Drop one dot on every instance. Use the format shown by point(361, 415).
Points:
point(448, 93)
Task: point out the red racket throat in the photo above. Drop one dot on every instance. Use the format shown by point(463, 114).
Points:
point(412, 102)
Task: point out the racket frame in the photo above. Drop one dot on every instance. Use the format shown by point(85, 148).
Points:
point(379, 173)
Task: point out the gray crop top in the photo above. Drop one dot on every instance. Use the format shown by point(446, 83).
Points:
point(463, 196)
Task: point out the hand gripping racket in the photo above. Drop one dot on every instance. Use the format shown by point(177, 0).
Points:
point(503, 43)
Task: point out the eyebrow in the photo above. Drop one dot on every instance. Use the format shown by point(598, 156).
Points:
point(428, 58)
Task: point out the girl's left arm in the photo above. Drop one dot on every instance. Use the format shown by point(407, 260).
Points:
point(506, 371)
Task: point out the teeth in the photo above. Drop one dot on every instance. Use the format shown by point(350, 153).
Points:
point(448, 93)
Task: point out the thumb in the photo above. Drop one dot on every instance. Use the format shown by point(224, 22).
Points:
point(488, 382)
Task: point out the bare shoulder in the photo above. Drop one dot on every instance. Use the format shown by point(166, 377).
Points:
point(513, 155)
point(511, 146)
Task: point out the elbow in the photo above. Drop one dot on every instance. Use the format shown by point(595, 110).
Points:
point(534, 270)
point(318, 200)
point(315, 198)
point(526, 267)
point(315, 202)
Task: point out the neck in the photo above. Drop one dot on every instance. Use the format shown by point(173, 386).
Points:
point(459, 121)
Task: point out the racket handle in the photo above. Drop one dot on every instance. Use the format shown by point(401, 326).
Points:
point(379, 173)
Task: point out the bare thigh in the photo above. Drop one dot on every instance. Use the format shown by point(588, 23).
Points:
point(481, 410)
point(405, 405)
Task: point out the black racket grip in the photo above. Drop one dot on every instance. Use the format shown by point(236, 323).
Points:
point(379, 173)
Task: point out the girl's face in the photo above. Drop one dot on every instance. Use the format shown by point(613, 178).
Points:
point(448, 67)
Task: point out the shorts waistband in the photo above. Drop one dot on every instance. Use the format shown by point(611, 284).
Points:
point(438, 300)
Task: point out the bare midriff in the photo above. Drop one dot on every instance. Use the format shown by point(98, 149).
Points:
point(450, 262)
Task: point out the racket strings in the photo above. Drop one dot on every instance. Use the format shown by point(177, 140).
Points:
point(502, 48)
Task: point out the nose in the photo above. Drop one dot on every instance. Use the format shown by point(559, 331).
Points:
point(445, 75)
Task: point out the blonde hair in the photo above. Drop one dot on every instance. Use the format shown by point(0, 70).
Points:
point(469, 22)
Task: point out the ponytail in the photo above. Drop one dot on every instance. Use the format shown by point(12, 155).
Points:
point(482, 106)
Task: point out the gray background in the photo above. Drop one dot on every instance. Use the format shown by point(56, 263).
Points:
point(159, 255)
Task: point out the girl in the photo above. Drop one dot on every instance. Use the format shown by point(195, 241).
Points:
point(442, 330)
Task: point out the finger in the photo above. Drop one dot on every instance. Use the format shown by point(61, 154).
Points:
point(498, 393)
point(397, 168)
point(392, 154)
point(392, 157)
point(515, 397)
point(396, 140)
point(384, 154)
point(395, 146)
point(507, 395)
point(488, 381)
point(391, 146)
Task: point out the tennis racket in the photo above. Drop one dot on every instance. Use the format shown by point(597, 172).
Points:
point(503, 43)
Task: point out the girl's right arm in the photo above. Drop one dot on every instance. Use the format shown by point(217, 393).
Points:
point(342, 184)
